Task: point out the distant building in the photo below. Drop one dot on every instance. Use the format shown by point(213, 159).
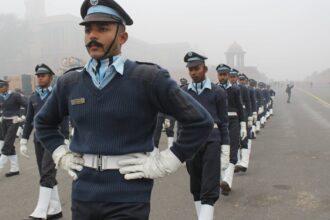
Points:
point(51, 39)
point(26, 83)
point(235, 56)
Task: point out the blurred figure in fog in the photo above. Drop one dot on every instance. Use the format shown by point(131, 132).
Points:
point(288, 90)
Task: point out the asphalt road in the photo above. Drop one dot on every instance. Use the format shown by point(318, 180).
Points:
point(288, 177)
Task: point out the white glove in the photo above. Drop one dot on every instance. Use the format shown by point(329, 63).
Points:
point(243, 130)
point(72, 132)
point(19, 119)
point(67, 142)
point(68, 161)
point(255, 117)
point(1, 118)
point(261, 110)
point(149, 166)
point(167, 123)
point(250, 122)
point(23, 148)
point(225, 156)
point(19, 131)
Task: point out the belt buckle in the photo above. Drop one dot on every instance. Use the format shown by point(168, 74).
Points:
point(99, 163)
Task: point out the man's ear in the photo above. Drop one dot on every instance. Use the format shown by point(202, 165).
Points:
point(123, 37)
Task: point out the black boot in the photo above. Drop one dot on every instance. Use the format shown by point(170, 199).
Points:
point(56, 216)
point(33, 218)
point(225, 189)
point(10, 174)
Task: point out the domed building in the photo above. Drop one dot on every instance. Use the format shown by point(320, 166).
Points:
point(235, 56)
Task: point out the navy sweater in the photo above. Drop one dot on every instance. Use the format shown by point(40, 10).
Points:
point(235, 103)
point(246, 101)
point(260, 98)
point(12, 106)
point(34, 105)
point(117, 120)
point(215, 102)
point(253, 98)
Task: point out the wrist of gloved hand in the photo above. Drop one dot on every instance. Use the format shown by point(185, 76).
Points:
point(225, 156)
point(250, 122)
point(23, 141)
point(151, 166)
point(67, 142)
point(23, 148)
point(225, 149)
point(68, 161)
point(21, 119)
point(255, 117)
point(167, 123)
point(243, 129)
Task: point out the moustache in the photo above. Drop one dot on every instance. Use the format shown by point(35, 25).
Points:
point(94, 43)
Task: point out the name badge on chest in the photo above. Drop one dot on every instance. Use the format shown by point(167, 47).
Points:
point(79, 101)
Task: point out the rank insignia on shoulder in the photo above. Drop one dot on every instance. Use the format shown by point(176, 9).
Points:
point(79, 101)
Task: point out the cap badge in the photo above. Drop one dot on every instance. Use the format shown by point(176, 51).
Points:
point(94, 2)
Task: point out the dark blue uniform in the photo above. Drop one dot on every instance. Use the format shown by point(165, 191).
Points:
point(45, 162)
point(236, 115)
point(119, 120)
point(260, 101)
point(253, 98)
point(204, 167)
point(246, 99)
point(11, 107)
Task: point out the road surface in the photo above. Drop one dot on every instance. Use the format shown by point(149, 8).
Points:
point(288, 178)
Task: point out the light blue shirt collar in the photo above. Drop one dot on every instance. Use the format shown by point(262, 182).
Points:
point(6, 95)
point(44, 92)
point(198, 88)
point(226, 85)
point(106, 71)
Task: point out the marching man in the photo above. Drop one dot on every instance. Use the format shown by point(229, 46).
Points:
point(49, 205)
point(113, 105)
point(11, 103)
point(237, 127)
point(246, 144)
point(204, 167)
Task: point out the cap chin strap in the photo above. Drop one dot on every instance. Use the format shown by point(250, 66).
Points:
point(110, 47)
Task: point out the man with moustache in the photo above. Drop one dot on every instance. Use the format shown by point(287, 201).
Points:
point(113, 105)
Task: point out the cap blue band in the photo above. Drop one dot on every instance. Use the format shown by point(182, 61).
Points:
point(104, 10)
point(223, 69)
point(195, 59)
point(41, 69)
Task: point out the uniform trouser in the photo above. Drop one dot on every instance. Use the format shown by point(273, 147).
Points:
point(262, 114)
point(159, 127)
point(8, 135)
point(259, 115)
point(245, 141)
point(289, 97)
point(204, 171)
point(109, 211)
point(234, 134)
point(46, 166)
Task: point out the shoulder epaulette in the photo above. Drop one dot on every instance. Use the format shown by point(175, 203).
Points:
point(74, 69)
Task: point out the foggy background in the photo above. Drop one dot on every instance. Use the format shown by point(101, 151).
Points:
point(284, 39)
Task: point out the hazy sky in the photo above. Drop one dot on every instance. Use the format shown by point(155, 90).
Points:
point(285, 38)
